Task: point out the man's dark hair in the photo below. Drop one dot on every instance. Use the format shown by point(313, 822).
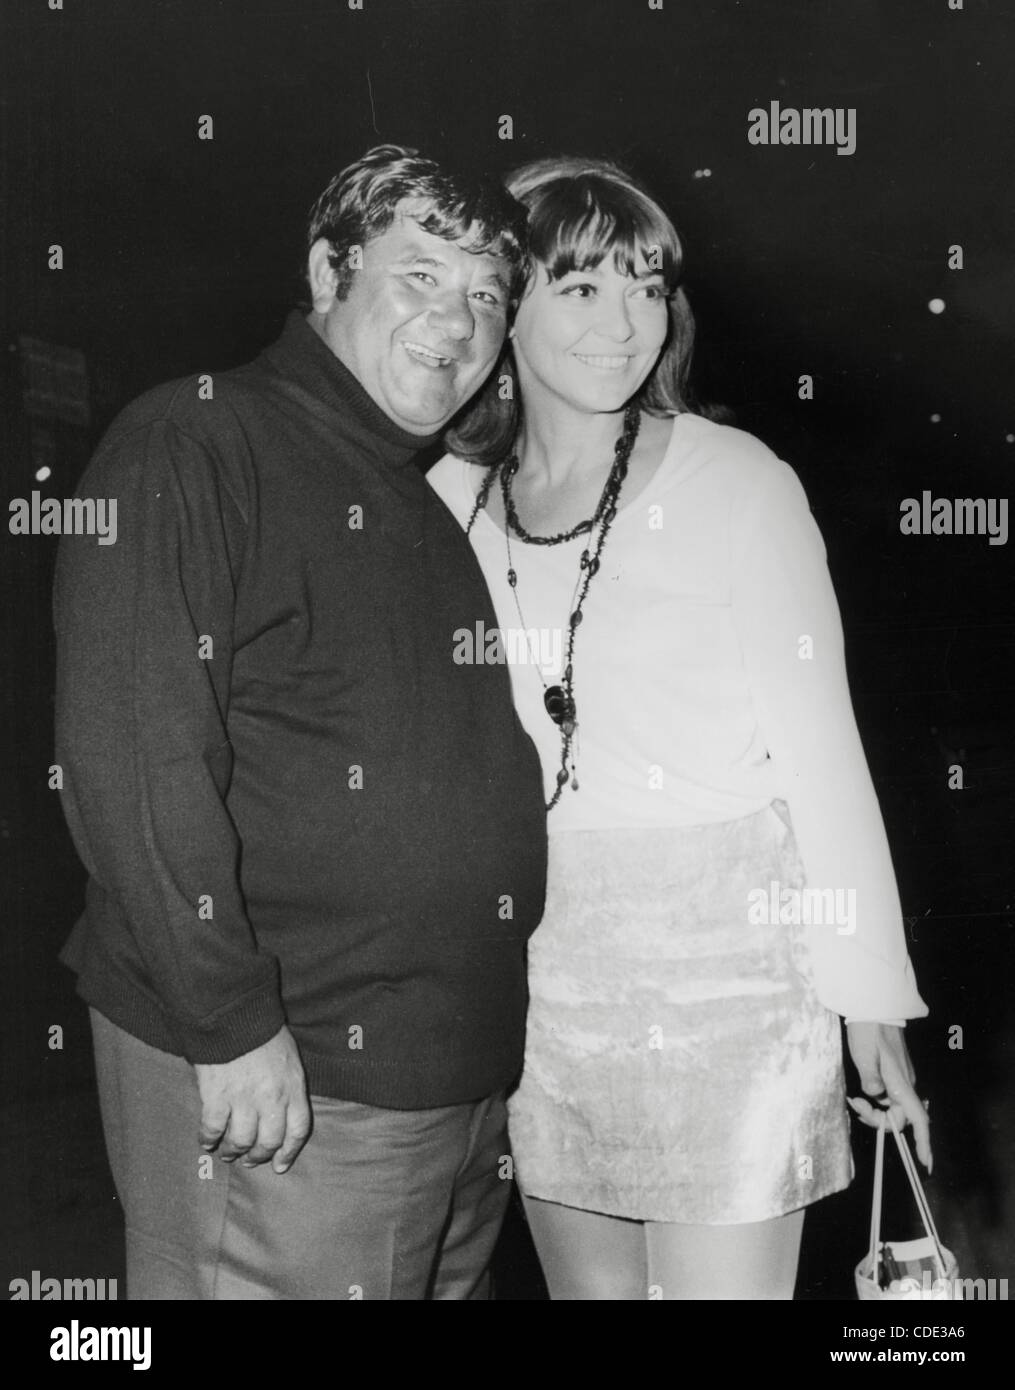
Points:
point(360, 203)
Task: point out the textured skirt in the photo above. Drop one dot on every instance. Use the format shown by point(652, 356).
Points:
point(678, 1063)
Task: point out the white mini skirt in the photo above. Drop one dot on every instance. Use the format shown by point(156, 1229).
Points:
point(678, 1064)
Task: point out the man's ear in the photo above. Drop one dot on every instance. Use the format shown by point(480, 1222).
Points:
point(321, 275)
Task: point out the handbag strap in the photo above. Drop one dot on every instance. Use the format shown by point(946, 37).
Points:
point(923, 1206)
point(879, 1178)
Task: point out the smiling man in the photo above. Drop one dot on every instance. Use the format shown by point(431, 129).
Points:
point(315, 844)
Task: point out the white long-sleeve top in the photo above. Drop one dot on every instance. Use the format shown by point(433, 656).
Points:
point(709, 680)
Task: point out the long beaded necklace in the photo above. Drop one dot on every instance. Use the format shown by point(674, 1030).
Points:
point(559, 700)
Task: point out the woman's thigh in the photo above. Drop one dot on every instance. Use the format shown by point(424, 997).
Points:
point(586, 1255)
point(757, 1260)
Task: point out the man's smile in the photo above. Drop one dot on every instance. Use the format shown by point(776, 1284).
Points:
point(427, 357)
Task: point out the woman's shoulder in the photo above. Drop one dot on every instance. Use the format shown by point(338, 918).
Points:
point(731, 460)
point(450, 479)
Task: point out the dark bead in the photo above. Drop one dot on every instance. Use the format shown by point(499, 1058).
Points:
point(575, 618)
point(512, 578)
point(561, 776)
point(556, 703)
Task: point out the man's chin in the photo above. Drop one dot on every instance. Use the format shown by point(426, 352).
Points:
point(420, 417)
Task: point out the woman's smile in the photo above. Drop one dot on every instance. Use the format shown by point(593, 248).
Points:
point(603, 363)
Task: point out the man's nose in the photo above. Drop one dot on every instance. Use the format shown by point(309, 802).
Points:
point(452, 317)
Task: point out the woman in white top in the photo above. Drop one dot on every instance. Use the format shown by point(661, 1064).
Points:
point(720, 887)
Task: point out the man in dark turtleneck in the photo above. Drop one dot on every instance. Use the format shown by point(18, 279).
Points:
point(315, 843)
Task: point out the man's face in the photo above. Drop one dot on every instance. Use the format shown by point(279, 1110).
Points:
point(422, 323)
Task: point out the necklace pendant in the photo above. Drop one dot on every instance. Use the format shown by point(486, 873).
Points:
point(555, 702)
point(512, 578)
point(560, 707)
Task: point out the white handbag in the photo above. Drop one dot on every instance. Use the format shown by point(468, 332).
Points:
point(908, 1269)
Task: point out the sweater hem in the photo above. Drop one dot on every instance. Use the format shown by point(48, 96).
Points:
point(425, 1083)
point(252, 1022)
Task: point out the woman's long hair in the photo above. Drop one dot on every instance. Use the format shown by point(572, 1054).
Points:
point(579, 212)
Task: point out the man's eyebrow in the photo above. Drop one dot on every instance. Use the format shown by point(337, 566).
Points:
point(419, 257)
point(412, 257)
point(495, 278)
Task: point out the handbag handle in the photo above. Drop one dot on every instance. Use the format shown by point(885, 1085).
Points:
point(923, 1206)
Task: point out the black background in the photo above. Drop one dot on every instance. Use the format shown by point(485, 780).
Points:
point(184, 255)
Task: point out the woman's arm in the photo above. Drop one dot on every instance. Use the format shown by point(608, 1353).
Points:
point(787, 618)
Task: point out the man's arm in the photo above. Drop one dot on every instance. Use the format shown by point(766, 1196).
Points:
point(144, 664)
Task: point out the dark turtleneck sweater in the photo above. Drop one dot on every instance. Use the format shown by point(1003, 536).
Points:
point(292, 804)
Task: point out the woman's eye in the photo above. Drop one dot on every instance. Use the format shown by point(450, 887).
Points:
point(653, 291)
point(580, 291)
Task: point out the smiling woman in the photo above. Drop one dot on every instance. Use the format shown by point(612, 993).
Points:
point(681, 1101)
point(589, 234)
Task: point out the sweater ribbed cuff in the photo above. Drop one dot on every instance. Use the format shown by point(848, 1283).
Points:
point(251, 1022)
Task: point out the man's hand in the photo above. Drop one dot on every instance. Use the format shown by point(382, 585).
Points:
point(256, 1105)
point(882, 1059)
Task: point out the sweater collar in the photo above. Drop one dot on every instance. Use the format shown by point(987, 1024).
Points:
point(302, 355)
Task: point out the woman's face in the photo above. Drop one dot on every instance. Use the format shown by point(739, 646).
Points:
point(590, 338)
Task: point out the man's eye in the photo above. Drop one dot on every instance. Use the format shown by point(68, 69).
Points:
point(489, 297)
point(422, 275)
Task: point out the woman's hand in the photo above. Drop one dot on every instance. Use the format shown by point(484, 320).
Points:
point(882, 1059)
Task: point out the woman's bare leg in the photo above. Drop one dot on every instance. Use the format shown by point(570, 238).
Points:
point(753, 1261)
point(586, 1255)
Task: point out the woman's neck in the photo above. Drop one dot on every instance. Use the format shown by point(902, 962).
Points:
point(553, 445)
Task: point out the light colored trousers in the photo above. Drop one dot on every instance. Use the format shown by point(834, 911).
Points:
point(380, 1204)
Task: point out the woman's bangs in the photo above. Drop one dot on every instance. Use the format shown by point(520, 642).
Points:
point(579, 228)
